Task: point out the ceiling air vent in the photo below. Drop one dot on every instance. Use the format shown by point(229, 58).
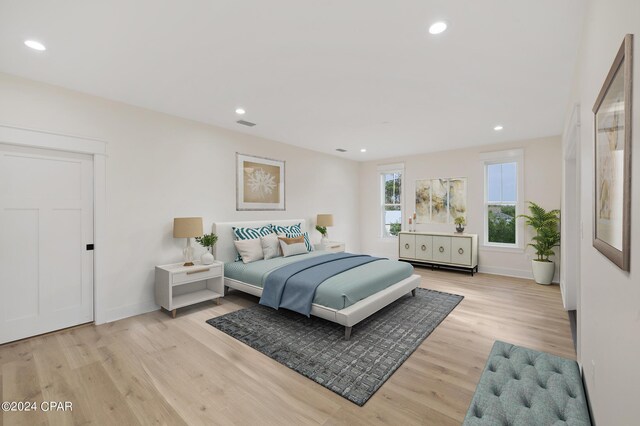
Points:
point(341, 150)
point(246, 123)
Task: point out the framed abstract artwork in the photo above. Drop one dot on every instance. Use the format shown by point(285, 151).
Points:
point(441, 200)
point(259, 183)
point(612, 155)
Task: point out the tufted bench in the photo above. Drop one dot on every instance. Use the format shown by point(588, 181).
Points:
point(521, 386)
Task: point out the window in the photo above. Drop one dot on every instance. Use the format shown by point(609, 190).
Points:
point(503, 180)
point(391, 190)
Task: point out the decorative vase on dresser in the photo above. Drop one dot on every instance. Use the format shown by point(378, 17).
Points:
point(438, 249)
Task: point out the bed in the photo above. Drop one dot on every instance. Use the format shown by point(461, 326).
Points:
point(346, 298)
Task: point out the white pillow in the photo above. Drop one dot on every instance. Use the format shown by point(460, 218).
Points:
point(250, 250)
point(292, 249)
point(270, 246)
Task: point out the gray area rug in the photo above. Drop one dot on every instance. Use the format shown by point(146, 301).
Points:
point(316, 348)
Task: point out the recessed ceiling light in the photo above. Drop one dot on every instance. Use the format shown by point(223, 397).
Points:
point(438, 27)
point(240, 111)
point(363, 150)
point(35, 45)
point(498, 128)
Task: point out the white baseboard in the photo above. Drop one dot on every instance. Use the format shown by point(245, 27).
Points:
point(130, 311)
point(509, 272)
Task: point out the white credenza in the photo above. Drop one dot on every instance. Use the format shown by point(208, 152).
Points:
point(459, 251)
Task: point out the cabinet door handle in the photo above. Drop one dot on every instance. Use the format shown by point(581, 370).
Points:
point(460, 251)
point(406, 246)
point(424, 248)
point(441, 249)
point(198, 271)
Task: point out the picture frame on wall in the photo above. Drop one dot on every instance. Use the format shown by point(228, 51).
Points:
point(612, 160)
point(260, 183)
point(441, 200)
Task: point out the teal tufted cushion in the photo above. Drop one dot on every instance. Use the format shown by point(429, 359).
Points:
point(521, 386)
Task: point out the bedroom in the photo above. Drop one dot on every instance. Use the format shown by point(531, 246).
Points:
point(147, 94)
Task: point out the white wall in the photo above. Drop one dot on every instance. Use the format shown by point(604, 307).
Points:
point(609, 299)
point(160, 167)
point(542, 178)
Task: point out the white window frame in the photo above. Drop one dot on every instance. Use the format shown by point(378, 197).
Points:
point(497, 157)
point(384, 170)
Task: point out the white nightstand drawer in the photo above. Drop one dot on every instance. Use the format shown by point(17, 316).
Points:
point(333, 247)
point(199, 272)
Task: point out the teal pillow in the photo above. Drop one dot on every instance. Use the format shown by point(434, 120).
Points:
point(250, 234)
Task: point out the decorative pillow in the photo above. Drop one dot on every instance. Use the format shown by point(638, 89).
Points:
point(293, 231)
point(270, 246)
point(292, 246)
point(250, 250)
point(250, 234)
point(291, 240)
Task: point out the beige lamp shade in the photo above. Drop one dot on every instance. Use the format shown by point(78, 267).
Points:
point(187, 227)
point(324, 220)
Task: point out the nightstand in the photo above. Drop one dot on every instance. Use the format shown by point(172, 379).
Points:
point(178, 286)
point(334, 247)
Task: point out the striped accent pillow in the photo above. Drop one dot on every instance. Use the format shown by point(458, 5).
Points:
point(293, 231)
point(250, 234)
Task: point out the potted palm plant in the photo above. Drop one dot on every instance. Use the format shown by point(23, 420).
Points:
point(207, 241)
point(545, 223)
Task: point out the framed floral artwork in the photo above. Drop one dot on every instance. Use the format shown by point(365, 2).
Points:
point(259, 183)
point(612, 154)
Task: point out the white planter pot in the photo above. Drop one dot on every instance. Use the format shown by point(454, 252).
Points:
point(206, 259)
point(543, 271)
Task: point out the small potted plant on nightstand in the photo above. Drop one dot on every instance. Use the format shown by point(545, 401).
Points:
point(207, 241)
point(460, 222)
point(545, 223)
point(323, 231)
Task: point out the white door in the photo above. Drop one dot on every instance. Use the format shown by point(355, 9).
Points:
point(442, 249)
point(46, 223)
point(461, 250)
point(424, 247)
point(407, 246)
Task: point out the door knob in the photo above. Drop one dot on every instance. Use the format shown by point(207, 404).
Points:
point(460, 251)
point(406, 246)
point(424, 248)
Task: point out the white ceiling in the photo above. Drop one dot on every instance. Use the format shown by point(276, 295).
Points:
point(318, 74)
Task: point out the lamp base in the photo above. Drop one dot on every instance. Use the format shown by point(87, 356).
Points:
point(187, 252)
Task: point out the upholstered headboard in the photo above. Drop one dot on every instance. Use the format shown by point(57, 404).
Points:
point(225, 251)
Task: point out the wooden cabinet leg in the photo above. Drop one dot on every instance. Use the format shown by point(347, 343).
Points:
point(173, 313)
point(218, 301)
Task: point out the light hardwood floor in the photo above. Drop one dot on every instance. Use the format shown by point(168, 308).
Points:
point(152, 369)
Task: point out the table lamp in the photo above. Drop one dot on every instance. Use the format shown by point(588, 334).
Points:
point(324, 220)
point(187, 227)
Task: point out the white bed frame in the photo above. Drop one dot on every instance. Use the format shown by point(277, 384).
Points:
point(348, 317)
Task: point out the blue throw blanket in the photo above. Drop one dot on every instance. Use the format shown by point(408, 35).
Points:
point(294, 286)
